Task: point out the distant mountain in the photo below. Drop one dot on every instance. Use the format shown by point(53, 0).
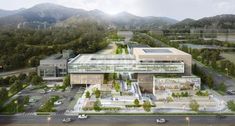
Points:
point(4, 13)
point(226, 21)
point(47, 14)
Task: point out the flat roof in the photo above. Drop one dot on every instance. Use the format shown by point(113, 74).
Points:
point(103, 59)
point(158, 51)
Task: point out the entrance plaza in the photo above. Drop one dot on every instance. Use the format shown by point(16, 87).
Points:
point(159, 76)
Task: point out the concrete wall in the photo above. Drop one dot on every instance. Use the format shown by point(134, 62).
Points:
point(145, 82)
point(86, 78)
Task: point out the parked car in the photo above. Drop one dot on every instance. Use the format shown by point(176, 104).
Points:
point(66, 120)
point(43, 92)
point(161, 120)
point(82, 116)
point(58, 103)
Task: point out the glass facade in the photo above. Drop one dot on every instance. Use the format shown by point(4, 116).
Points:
point(134, 67)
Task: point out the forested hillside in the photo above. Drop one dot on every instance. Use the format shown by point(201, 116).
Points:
point(24, 47)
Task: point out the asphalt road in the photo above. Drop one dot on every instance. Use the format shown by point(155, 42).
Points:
point(17, 72)
point(110, 120)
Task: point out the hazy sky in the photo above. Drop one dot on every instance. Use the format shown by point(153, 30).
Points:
point(178, 9)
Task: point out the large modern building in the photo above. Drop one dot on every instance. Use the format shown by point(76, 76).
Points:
point(148, 64)
point(55, 67)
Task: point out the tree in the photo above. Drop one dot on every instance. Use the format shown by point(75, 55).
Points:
point(12, 79)
point(117, 87)
point(231, 105)
point(3, 95)
point(36, 80)
point(97, 106)
point(136, 102)
point(22, 77)
point(222, 87)
point(88, 95)
point(210, 82)
point(97, 93)
point(147, 106)
point(194, 105)
point(66, 81)
point(17, 86)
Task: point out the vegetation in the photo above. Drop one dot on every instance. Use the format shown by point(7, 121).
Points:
point(88, 95)
point(205, 78)
point(97, 93)
point(16, 84)
point(48, 106)
point(202, 93)
point(97, 106)
point(17, 105)
point(182, 94)
point(144, 39)
point(66, 81)
point(211, 58)
point(194, 105)
point(147, 106)
point(27, 46)
point(136, 102)
point(231, 105)
point(222, 88)
point(117, 87)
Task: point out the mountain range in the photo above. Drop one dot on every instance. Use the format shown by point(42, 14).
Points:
point(225, 21)
point(48, 14)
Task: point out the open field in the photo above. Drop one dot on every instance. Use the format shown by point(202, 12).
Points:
point(229, 56)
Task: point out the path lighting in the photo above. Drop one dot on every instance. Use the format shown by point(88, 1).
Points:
point(48, 120)
point(188, 120)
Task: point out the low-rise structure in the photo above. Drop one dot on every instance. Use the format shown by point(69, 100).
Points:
point(54, 67)
point(144, 63)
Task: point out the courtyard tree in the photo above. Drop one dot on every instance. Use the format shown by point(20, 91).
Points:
point(97, 106)
point(194, 105)
point(117, 87)
point(136, 102)
point(147, 106)
point(66, 81)
point(97, 93)
point(88, 95)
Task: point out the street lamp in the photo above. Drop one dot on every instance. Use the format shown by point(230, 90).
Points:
point(48, 120)
point(16, 102)
point(226, 70)
point(188, 120)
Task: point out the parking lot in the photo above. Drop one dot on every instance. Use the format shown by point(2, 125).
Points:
point(38, 97)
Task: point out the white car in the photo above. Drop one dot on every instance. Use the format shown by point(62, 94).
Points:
point(161, 120)
point(58, 103)
point(82, 116)
point(66, 120)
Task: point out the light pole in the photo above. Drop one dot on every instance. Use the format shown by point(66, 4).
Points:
point(16, 102)
point(226, 70)
point(48, 120)
point(188, 120)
